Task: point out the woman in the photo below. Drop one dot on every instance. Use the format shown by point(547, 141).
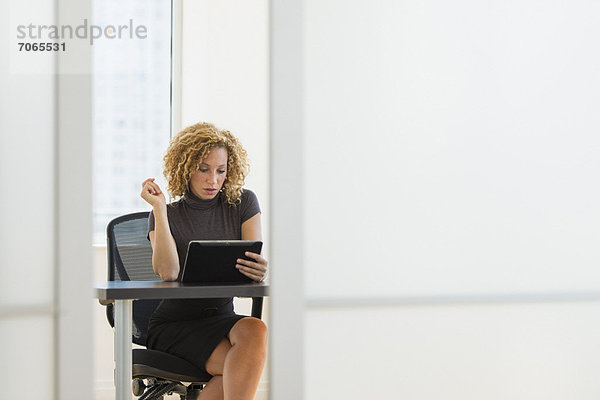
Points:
point(206, 167)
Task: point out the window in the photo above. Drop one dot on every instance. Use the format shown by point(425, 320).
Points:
point(131, 106)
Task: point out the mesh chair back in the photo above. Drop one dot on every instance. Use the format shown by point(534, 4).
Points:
point(130, 259)
point(130, 252)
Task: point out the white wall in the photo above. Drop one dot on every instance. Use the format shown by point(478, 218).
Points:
point(225, 76)
point(454, 351)
point(448, 157)
point(465, 143)
point(45, 237)
point(27, 120)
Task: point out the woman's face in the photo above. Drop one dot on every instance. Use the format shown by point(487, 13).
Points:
point(208, 179)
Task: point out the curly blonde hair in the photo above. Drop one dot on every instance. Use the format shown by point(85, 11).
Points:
point(191, 146)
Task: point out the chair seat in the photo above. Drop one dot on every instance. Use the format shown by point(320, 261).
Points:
point(156, 364)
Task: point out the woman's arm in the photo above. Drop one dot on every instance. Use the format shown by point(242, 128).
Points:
point(257, 269)
point(164, 251)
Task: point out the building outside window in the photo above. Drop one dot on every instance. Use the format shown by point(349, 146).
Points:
point(131, 107)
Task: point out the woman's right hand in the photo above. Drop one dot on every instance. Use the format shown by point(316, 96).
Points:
point(152, 193)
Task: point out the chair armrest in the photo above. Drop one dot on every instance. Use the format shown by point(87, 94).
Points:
point(106, 302)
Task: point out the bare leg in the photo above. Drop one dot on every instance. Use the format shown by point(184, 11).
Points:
point(213, 390)
point(245, 360)
point(240, 360)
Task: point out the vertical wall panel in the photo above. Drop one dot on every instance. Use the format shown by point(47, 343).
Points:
point(287, 200)
point(74, 345)
point(27, 232)
point(27, 120)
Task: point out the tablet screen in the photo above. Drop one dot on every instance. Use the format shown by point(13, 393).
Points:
point(213, 261)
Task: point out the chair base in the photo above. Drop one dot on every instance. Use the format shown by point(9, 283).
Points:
point(155, 389)
point(164, 374)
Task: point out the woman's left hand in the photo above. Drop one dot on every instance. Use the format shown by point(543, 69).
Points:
point(255, 270)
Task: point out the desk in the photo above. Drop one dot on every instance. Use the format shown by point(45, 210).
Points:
point(124, 292)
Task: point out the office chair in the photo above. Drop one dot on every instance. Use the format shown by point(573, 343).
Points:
point(155, 374)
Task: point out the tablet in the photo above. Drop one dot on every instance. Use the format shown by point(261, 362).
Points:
point(213, 261)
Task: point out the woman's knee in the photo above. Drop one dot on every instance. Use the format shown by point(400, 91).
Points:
point(249, 330)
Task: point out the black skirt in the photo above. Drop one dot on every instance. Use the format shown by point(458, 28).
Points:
point(195, 339)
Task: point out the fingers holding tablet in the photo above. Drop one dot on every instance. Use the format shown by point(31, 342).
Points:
point(255, 270)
